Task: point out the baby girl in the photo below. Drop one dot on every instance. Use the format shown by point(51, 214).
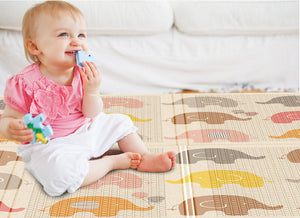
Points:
point(68, 95)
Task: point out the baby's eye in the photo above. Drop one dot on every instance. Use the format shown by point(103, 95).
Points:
point(63, 34)
point(81, 35)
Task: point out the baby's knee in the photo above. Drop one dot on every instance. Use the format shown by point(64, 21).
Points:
point(57, 178)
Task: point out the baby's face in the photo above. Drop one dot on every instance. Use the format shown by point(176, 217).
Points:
point(59, 38)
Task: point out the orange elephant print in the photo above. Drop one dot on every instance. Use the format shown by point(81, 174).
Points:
point(93, 204)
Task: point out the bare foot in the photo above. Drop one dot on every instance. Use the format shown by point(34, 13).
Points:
point(157, 162)
point(125, 160)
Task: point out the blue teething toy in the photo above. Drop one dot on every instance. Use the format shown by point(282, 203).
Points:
point(81, 56)
point(40, 132)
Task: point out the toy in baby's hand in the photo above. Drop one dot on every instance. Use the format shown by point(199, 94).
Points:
point(81, 56)
point(40, 132)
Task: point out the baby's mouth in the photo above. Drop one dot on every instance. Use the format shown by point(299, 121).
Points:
point(71, 53)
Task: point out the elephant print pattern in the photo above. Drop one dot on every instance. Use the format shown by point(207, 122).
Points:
point(288, 101)
point(9, 181)
point(229, 204)
point(285, 117)
point(8, 156)
point(208, 117)
point(122, 179)
point(205, 101)
point(294, 156)
point(294, 133)
point(217, 178)
point(124, 102)
point(209, 135)
point(217, 155)
point(93, 204)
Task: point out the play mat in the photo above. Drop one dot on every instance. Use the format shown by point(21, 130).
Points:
point(237, 155)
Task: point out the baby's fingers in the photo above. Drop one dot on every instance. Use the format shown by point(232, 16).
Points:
point(23, 136)
point(83, 74)
point(88, 71)
point(17, 124)
point(95, 72)
point(18, 131)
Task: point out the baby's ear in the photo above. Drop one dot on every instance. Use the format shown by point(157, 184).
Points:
point(32, 47)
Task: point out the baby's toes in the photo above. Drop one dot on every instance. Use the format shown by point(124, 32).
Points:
point(136, 156)
point(134, 164)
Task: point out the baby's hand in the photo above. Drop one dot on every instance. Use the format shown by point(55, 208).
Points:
point(18, 132)
point(91, 77)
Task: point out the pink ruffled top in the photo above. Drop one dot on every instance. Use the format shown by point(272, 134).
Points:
point(31, 92)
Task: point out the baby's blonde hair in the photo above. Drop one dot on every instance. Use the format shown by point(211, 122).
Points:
point(53, 8)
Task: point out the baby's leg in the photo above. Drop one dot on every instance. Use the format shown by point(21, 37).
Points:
point(150, 162)
point(100, 167)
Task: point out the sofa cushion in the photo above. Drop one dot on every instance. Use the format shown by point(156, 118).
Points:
point(117, 17)
point(127, 17)
point(236, 17)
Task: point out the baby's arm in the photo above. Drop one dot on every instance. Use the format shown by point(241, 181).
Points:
point(92, 103)
point(11, 126)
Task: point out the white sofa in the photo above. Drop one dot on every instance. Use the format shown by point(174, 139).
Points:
point(160, 46)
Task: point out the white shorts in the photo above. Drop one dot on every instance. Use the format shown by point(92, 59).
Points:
point(62, 164)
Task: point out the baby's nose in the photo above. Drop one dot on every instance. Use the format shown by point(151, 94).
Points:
point(75, 41)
